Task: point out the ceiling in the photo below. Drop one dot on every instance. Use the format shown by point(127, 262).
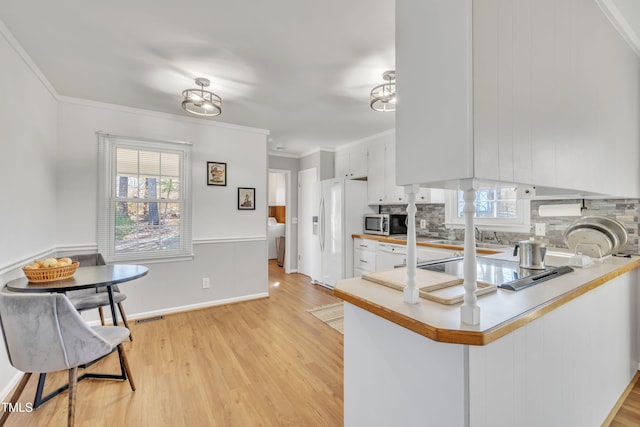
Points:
point(302, 69)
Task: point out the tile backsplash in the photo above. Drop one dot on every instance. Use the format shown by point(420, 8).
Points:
point(626, 211)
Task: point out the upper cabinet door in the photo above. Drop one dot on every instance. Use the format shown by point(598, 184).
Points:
point(351, 162)
point(394, 193)
point(375, 174)
point(341, 164)
point(358, 162)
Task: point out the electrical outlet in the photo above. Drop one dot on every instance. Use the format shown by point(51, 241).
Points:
point(423, 223)
point(540, 229)
point(205, 283)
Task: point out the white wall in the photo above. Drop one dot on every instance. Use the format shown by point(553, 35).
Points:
point(28, 135)
point(226, 240)
point(48, 169)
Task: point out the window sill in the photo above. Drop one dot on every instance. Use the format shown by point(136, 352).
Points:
point(503, 228)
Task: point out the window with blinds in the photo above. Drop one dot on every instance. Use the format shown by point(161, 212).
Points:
point(496, 209)
point(145, 210)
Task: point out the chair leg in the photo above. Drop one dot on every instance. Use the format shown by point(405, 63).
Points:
point(73, 387)
point(124, 320)
point(101, 315)
point(14, 397)
point(125, 363)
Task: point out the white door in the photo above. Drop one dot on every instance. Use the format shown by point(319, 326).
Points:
point(308, 204)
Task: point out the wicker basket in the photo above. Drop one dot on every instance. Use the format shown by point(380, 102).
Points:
point(50, 274)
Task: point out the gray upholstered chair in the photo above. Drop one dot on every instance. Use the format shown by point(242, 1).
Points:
point(45, 333)
point(87, 299)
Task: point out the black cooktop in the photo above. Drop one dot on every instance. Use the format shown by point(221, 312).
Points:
point(504, 274)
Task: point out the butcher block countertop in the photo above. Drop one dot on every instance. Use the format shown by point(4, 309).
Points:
point(423, 241)
point(501, 312)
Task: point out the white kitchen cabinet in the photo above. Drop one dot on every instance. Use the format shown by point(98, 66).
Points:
point(394, 193)
point(427, 253)
point(381, 182)
point(351, 162)
point(364, 256)
point(370, 255)
point(528, 92)
point(375, 175)
point(430, 195)
point(390, 255)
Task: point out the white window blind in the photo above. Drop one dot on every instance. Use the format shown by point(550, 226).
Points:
point(144, 202)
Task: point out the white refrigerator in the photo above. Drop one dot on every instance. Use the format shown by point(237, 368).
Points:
point(342, 204)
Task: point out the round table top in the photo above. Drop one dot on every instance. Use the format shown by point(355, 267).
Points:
point(84, 278)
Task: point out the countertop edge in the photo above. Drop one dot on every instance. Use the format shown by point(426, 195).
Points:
point(386, 239)
point(492, 334)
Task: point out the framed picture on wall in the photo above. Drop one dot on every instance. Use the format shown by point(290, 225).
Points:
point(216, 173)
point(246, 198)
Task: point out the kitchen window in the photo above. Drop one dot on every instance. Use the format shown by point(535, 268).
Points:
point(497, 209)
point(144, 210)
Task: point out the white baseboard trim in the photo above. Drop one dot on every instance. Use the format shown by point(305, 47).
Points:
point(214, 240)
point(16, 378)
point(10, 385)
point(183, 308)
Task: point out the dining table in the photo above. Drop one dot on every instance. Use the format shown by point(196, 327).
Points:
point(99, 276)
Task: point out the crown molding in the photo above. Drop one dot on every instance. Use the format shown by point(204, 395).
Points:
point(621, 24)
point(19, 50)
point(158, 114)
point(367, 139)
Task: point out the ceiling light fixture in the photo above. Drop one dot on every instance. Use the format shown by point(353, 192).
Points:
point(383, 97)
point(201, 102)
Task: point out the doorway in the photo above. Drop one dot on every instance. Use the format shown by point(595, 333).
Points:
point(279, 216)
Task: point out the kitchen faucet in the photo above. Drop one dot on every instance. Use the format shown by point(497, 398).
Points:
point(478, 234)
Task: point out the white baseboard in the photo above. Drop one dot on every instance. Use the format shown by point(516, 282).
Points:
point(10, 385)
point(183, 308)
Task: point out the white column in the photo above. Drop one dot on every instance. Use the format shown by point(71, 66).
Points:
point(411, 295)
point(469, 312)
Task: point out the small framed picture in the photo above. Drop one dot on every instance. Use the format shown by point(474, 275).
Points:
point(246, 198)
point(216, 173)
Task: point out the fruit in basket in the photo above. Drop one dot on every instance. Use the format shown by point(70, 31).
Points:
point(49, 263)
point(32, 266)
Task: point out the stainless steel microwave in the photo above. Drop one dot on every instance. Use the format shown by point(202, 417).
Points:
point(385, 224)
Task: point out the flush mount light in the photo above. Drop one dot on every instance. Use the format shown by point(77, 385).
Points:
point(201, 102)
point(383, 97)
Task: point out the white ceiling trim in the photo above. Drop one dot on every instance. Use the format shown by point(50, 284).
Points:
point(367, 139)
point(157, 114)
point(619, 22)
point(17, 47)
point(272, 153)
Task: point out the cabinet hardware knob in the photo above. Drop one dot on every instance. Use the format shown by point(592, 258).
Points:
point(364, 261)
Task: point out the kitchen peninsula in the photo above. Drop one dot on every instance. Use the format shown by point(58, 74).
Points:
point(557, 354)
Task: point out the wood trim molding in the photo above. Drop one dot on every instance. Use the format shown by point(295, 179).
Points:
point(491, 334)
point(620, 401)
point(427, 244)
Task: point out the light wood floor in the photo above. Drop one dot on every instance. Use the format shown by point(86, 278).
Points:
point(258, 363)
point(629, 414)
